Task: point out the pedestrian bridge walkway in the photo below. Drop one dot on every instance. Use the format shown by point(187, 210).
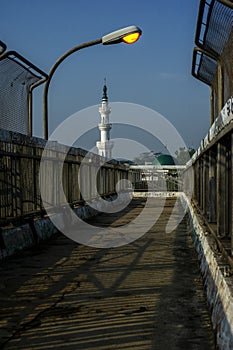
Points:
point(147, 293)
point(144, 295)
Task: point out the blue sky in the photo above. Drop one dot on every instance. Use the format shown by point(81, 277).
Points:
point(155, 72)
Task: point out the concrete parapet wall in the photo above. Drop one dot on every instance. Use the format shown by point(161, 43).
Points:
point(14, 239)
point(29, 234)
point(25, 236)
point(218, 285)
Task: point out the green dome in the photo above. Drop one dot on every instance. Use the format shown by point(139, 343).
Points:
point(164, 159)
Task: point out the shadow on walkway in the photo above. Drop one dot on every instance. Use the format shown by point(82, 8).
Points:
point(144, 295)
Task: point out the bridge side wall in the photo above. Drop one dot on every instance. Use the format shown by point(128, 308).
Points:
point(208, 180)
point(216, 278)
point(23, 220)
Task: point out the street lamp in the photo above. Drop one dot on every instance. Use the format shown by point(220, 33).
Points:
point(128, 35)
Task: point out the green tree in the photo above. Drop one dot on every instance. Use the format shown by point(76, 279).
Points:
point(184, 154)
point(144, 157)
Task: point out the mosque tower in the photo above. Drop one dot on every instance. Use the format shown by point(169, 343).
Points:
point(105, 145)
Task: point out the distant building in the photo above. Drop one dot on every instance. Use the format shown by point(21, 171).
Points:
point(105, 146)
point(164, 159)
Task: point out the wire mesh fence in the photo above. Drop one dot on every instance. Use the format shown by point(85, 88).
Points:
point(212, 59)
point(205, 67)
point(17, 76)
point(213, 34)
point(214, 27)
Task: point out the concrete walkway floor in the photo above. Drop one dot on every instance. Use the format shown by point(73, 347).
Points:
point(144, 295)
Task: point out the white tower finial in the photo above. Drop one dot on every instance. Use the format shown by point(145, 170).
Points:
point(105, 145)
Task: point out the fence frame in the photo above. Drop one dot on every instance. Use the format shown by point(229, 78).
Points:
point(30, 67)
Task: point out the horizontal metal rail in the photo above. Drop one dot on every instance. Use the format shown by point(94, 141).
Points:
point(23, 62)
point(228, 3)
point(20, 164)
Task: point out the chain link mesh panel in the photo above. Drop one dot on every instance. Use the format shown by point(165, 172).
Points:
point(219, 29)
point(215, 23)
point(213, 35)
point(206, 68)
point(15, 80)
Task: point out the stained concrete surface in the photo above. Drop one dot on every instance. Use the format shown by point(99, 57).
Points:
point(144, 295)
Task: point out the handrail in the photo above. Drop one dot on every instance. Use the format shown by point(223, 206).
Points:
point(228, 3)
point(25, 61)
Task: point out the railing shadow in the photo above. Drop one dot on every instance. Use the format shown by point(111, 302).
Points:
point(145, 295)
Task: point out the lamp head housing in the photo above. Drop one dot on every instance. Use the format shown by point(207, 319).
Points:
point(128, 35)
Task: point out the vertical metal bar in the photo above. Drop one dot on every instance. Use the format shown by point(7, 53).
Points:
point(221, 189)
point(30, 121)
point(91, 184)
point(11, 167)
point(194, 195)
point(201, 183)
point(78, 183)
point(227, 183)
point(205, 185)
point(220, 87)
point(197, 171)
point(231, 193)
point(212, 186)
point(30, 103)
point(211, 105)
point(21, 188)
point(35, 175)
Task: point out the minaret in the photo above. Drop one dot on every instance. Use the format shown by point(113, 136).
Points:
point(105, 145)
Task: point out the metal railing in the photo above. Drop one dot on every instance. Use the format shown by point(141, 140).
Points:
point(208, 177)
point(20, 161)
point(159, 178)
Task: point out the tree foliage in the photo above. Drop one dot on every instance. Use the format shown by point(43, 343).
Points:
point(184, 154)
point(145, 157)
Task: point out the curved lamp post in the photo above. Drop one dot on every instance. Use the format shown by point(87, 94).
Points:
point(129, 35)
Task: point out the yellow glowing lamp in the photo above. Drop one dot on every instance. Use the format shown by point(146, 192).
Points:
point(131, 38)
point(128, 35)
